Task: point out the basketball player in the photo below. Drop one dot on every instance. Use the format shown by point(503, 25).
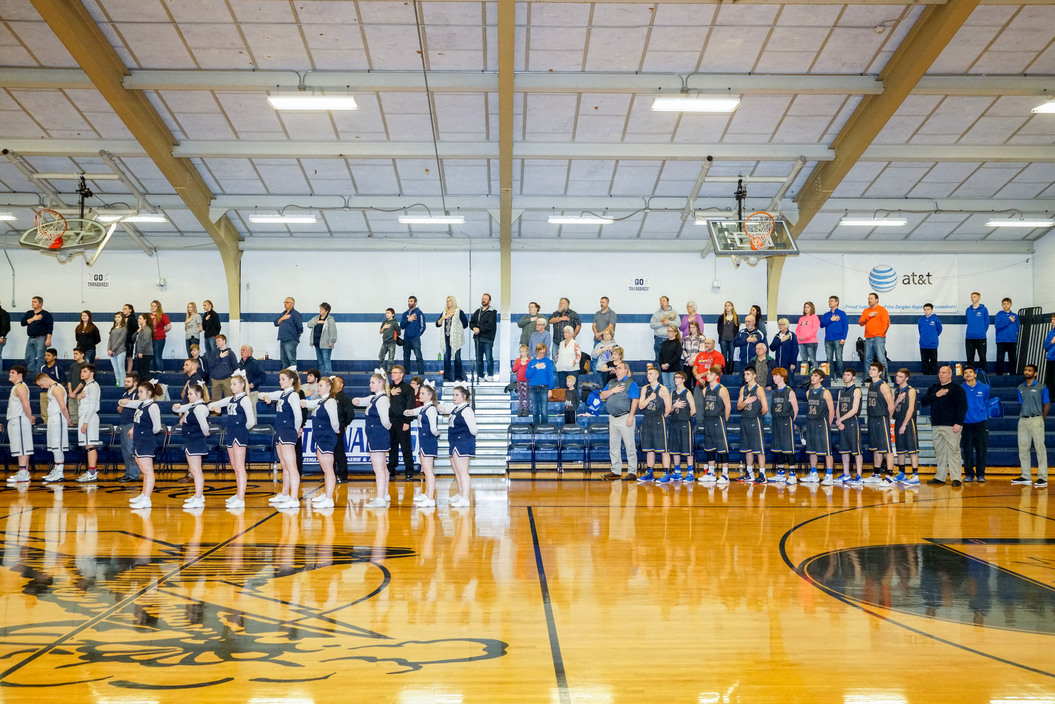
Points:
point(712, 413)
point(58, 424)
point(906, 440)
point(679, 431)
point(849, 407)
point(820, 414)
point(20, 422)
point(655, 404)
point(88, 417)
point(880, 407)
point(785, 408)
point(752, 406)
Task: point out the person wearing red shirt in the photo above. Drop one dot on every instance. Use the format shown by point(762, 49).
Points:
point(162, 325)
point(707, 358)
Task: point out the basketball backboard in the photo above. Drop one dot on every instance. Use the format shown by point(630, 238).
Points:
point(729, 239)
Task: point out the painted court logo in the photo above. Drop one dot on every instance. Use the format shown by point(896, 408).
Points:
point(882, 278)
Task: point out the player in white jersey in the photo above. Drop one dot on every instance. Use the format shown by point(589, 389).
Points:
point(58, 425)
point(88, 417)
point(20, 422)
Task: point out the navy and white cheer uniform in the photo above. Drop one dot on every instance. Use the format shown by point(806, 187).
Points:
point(241, 418)
point(146, 425)
point(325, 426)
point(378, 437)
point(461, 431)
point(429, 430)
point(288, 416)
point(195, 428)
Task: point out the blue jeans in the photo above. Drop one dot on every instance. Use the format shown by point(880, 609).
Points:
point(539, 404)
point(322, 359)
point(875, 351)
point(210, 346)
point(459, 373)
point(657, 342)
point(288, 353)
point(485, 355)
point(808, 354)
point(667, 379)
point(193, 341)
point(118, 360)
point(415, 347)
point(833, 352)
point(728, 347)
point(562, 379)
point(157, 363)
point(34, 356)
point(131, 468)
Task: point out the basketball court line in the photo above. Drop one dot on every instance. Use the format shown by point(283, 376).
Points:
point(1030, 513)
point(551, 624)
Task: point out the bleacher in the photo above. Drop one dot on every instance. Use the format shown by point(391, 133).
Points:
point(583, 446)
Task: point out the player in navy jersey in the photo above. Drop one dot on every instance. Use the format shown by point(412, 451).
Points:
point(906, 439)
point(846, 420)
point(820, 414)
point(752, 406)
point(785, 408)
point(679, 431)
point(880, 407)
point(712, 413)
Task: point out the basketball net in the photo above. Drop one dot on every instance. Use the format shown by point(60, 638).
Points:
point(51, 226)
point(758, 227)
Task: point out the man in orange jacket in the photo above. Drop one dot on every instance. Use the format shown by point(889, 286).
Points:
point(876, 322)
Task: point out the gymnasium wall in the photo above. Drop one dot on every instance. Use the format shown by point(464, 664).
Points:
point(359, 285)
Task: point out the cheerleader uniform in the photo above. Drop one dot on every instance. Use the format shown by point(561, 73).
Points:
point(146, 424)
point(751, 422)
point(429, 431)
point(324, 424)
point(461, 431)
point(195, 429)
point(850, 435)
point(378, 437)
point(19, 431)
point(241, 418)
point(818, 436)
point(288, 417)
point(679, 435)
point(654, 427)
point(878, 419)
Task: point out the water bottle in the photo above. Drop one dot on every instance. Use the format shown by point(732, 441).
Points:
point(439, 356)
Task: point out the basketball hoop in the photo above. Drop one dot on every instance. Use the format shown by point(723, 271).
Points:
point(758, 227)
point(50, 226)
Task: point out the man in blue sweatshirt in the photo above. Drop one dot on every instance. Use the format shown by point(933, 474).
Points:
point(977, 328)
point(836, 328)
point(929, 330)
point(413, 325)
point(290, 327)
point(974, 436)
point(1007, 327)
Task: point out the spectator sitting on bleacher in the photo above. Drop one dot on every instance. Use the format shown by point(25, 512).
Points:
point(540, 379)
point(193, 374)
point(254, 373)
point(310, 387)
point(203, 363)
point(222, 365)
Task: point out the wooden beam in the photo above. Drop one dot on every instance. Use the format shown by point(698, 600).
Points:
point(81, 36)
point(506, 43)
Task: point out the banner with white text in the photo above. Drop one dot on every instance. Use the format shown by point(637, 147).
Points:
point(903, 283)
point(354, 443)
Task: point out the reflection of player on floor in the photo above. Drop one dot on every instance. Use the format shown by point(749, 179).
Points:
point(712, 413)
point(849, 409)
point(906, 440)
point(752, 406)
point(679, 431)
point(820, 414)
point(655, 404)
point(880, 408)
point(58, 424)
point(785, 408)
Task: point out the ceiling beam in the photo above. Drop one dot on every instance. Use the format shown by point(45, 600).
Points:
point(78, 32)
point(926, 39)
point(526, 82)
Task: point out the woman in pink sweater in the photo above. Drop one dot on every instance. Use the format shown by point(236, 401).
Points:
point(806, 331)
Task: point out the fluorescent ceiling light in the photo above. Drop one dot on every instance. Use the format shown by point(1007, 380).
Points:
point(145, 217)
point(432, 219)
point(1020, 223)
point(579, 220)
point(1047, 108)
point(698, 103)
point(874, 222)
point(284, 219)
point(7, 217)
point(307, 101)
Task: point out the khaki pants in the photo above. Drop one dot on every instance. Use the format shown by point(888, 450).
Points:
point(220, 388)
point(947, 452)
point(1031, 432)
point(619, 433)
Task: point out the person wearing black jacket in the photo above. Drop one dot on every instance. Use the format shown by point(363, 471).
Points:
point(401, 398)
point(345, 416)
point(484, 324)
point(130, 339)
point(5, 328)
point(948, 408)
point(210, 326)
point(255, 376)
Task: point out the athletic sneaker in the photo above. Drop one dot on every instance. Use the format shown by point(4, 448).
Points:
point(54, 475)
point(857, 481)
point(761, 478)
point(792, 479)
point(20, 476)
point(781, 478)
point(665, 479)
point(690, 477)
point(290, 502)
point(812, 478)
point(135, 499)
point(237, 503)
point(722, 480)
point(426, 503)
point(981, 480)
point(968, 480)
point(647, 477)
point(708, 478)
point(376, 502)
point(459, 501)
point(328, 503)
point(675, 475)
point(874, 479)
point(829, 479)
point(913, 480)
point(88, 477)
point(194, 502)
point(1016, 480)
point(844, 479)
point(278, 499)
point(1041, 484)
point(231, 499)
point(139, 502)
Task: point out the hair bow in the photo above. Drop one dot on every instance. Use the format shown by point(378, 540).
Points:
point(380, 371)
point(154, 382)
point(239, 372)
point(463, 385)
point(430, 384)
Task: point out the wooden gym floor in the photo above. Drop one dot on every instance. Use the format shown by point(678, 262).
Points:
point(547, 592)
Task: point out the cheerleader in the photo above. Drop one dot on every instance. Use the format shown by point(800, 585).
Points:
point(325, 427)
point(288, 422)
point(58, 424)
point(194, 424)
point(146, 425)
point(428, 445)
point(241, 418)
point(377, 435)
point(679, 432)
point(461, 441)
point(655, 404)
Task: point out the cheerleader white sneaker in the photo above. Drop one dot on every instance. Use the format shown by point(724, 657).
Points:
point(459, 501)
point(139, 502)
point(194, 502)
point(232, 499)
point(18, 477)
point(425, 503)
point(278, 499)
point(54, 475)
point(290, 502)
point(237, 503)
point(134, 499)
point(376, 502)
point(319, 499)
point(325, 503)
point(419, 498)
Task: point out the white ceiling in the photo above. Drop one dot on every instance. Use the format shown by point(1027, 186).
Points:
point(585, 137)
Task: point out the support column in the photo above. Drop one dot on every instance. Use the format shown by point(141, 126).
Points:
point(506, 42)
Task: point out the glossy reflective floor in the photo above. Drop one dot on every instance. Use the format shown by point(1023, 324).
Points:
point(542, 592)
